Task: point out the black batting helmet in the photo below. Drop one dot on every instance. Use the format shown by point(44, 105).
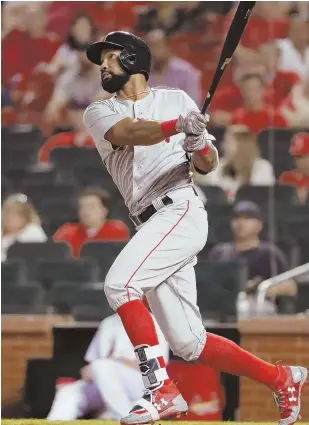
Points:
point(135, 57)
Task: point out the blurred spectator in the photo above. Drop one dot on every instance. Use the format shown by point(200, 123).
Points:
point(263, 259)
point(278, 82)
point(93, 208)
point(60, 14)
point(23, 49)
point(110, 381)
point(75, 89)
point(295, 109)
point(228, 98)
point(255, 114)
point(13, 17)
point(299, 177)
point(171, 71)
point(161, 14)
point(269, 20)
point(295, 48)
point(82, 31)
point(20, 223)
point(241, 163)
point(111, 15)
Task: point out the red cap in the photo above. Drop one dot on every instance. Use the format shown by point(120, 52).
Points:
point(300, 144)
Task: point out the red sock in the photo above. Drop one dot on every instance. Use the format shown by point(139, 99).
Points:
point(139, 326)
point(226, 356)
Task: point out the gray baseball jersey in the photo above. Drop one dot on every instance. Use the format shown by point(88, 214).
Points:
point(143, 173)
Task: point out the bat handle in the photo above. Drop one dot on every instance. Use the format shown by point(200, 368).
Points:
point(206, 104)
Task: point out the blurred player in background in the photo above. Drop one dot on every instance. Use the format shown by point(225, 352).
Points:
point(110, 383)
point(299, 177)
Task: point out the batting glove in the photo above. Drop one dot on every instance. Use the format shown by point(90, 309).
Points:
point(193, 123)
point(194, 143)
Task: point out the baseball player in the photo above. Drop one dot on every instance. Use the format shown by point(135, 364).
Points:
point(147, 139)
point(110, 382)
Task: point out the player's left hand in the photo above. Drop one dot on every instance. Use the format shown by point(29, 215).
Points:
point(194, 143)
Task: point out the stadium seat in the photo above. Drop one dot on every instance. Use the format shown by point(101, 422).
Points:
point(90, 175)
point(219, 229)
point(302, 299)
point(215, 211)
point(15, 174)
point(21, 299)
point(298, 228)
point(48, 177)
point(104, 252)
point(22, 134)
point(56, 212)
point(262, 194)
point(13, 272)
point(40, 192)
point(62, 297)
point(78, 272)
point(91, 304)
point(89, 313)
point(75, 157)
point(214, 195)
point(304, 252)
point(6, 188)
point(97, 178)
point(297, 212)
point(31, 252)
point(204, 253)
point(66, 298)
point(274, 145)
point(19, 156)
point(218, 285)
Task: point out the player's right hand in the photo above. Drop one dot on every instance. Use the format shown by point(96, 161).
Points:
point(86, 373)
point(193, 123)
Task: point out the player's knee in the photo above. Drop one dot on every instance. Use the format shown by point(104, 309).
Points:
point(117, 293)
point(190, 349)
point(114, 292)
point(185, 351)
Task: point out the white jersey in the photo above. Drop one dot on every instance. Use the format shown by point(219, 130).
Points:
point(111, 340)
point(142, 173)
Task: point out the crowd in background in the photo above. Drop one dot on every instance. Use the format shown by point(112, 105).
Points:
point(48, 82)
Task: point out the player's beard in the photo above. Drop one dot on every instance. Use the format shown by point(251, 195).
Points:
point(115, 83)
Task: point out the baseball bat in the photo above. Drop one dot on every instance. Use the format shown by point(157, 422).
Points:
point(232, 39)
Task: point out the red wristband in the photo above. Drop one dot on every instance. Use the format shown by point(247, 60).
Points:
point(168, 128)
point(205, 150)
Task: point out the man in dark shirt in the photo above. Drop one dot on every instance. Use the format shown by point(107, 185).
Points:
point(263, 259)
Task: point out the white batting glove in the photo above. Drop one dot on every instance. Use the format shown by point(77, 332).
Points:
point(193, 123)
point(194, 143)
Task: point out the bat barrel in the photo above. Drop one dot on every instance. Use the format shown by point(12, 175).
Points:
point(231, 42)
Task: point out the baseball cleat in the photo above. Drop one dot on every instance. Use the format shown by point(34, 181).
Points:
point(288, 395)
point(161, 403)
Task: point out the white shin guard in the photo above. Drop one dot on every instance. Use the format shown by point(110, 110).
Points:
point(152, 373)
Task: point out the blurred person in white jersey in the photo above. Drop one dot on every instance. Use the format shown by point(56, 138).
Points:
point(110, 383)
